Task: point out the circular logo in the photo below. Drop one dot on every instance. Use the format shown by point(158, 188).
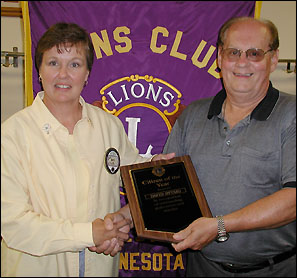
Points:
point(112, 160)
point(158, 171)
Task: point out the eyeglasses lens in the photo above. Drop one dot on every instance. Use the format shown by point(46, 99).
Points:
point(252, 54)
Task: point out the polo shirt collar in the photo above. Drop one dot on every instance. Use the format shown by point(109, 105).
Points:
point(260, 113)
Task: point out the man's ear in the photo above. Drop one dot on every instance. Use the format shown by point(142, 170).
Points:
point(219, 58)
point(274, 60)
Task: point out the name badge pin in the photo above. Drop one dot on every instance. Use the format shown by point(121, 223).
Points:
point(46, 128)
point(112, 160)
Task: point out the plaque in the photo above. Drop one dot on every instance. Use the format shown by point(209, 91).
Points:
point(164, 196)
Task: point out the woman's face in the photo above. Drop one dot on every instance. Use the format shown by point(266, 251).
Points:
point(63, 72)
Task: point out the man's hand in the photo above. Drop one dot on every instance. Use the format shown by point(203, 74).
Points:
point(163, 156)
point(197, 235)
point(117, 225)
point(109, 237)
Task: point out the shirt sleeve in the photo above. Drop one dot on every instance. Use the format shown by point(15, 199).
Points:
point(174, 141)
point(289, 155)
point(22, 227)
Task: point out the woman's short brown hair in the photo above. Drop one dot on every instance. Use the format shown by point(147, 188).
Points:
point(274, 40)
point(61, 34)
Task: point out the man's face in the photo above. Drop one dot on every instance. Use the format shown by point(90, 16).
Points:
point(243, 76)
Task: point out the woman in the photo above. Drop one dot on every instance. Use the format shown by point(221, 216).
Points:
point(60, 160)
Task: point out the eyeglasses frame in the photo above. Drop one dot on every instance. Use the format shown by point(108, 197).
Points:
point(241, 51)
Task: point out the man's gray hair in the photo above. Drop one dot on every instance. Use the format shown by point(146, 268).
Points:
point(274, 39)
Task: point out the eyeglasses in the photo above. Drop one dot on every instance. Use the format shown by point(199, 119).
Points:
point(252, 54)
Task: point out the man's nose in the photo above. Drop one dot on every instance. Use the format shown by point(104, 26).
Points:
point(243, 57)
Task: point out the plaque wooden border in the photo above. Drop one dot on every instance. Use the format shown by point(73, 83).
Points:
point(133, 199)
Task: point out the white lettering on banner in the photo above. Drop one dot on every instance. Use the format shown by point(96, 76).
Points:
point(132, 129)
point(171, 96)
point(120, 100)
point(168, 101)
point(116, 102)
point(148, 151)
point(153, 93)
point(151, 89)
point(139, 92)
point(104, 45)
point(132, 134)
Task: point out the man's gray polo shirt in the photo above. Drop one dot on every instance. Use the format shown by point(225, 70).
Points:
point(236, 167)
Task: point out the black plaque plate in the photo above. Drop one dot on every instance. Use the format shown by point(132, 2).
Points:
point(164, 196)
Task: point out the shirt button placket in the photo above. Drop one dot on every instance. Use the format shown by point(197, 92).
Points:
point(227, 147)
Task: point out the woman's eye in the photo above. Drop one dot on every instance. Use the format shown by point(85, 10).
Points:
point(75, 65)
point(52, 63)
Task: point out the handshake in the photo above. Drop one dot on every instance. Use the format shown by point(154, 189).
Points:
point(110, 234)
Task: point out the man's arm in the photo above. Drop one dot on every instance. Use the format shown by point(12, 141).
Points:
point(272, 211)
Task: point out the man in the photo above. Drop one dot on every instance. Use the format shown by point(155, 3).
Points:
point(243, 145)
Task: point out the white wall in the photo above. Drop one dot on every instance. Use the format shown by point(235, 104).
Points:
point(282, 13)
point(12, 79)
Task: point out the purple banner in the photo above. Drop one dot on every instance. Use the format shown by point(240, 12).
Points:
point(152, 59)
